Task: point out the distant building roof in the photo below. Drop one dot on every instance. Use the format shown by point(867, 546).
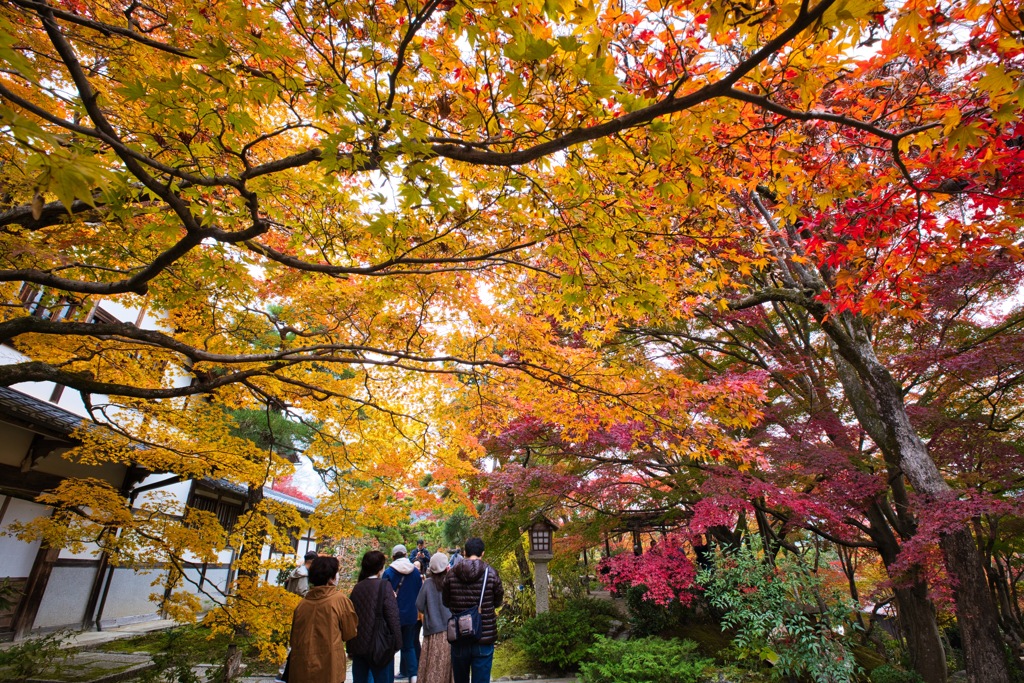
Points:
point(301, 505)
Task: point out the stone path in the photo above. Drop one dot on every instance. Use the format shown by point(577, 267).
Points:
point(108, 667)
point(507, 679)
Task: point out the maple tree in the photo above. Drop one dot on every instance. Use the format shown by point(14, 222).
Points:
point(372, 214)
point(825, 476)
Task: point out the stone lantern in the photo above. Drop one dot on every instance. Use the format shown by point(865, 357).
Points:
point(541, 552)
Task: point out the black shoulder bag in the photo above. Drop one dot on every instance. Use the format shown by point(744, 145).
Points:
point(464, 627)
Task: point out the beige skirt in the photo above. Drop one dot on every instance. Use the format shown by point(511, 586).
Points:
point(436, 659)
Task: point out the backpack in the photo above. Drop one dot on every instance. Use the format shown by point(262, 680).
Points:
point(292, 584)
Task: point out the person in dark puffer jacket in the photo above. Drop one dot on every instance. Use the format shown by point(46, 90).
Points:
point(366, 598)
point(461, 591)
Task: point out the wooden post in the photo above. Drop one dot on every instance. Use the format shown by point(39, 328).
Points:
point(35, 588)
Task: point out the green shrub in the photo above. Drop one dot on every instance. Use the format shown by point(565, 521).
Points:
point(646, 660)
point(520, 606)
point(592, 609)
point(890, 674)
point(645, 617)
point(560, 639)
point(777, 616)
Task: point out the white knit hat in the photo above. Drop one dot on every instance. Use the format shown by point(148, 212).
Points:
point(438, 563)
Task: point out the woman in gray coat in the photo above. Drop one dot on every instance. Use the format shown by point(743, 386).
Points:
point(436, 658)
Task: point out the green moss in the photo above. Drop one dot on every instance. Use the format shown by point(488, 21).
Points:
point(79, 675)
point(511, 660)
point(149, 642)
point(193, 642)
point(710, 638)
point(867, 658)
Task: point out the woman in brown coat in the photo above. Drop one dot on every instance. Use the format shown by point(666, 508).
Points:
point(322, 623)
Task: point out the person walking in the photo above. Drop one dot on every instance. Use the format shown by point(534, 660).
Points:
point(298, 579)
point(436, 662)
point(406, 581)
point(321, 624)
point(470, 583)
point(373, 600)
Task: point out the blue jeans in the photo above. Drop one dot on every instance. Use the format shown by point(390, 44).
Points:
point(410, 664)
point(364, 672)
point(472, 658)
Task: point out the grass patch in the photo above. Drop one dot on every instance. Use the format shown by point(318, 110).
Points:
point(196, 640)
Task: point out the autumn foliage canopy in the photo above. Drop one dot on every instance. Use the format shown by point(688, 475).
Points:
point(750, 259)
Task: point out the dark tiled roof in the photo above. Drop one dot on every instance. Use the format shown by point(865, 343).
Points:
point(46, 418)
point(38, 415)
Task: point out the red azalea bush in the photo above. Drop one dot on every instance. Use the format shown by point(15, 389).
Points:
point(666, 571)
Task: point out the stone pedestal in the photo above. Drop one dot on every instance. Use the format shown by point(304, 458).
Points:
point(540, 583)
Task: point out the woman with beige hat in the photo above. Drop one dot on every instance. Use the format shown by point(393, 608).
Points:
point(436, 658)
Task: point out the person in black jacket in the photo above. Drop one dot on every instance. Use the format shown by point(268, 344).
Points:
point(421, 555)
point(366, 597)
point(462, 590)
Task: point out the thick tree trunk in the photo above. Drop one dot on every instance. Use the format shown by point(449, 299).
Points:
point(915, 609)
point(979, 631)
point(232, 664)
point(1000, 586)
point(976, 610)
point(917, 618)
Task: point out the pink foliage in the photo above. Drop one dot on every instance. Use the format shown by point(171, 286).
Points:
point(665, 570)
point(921, 554)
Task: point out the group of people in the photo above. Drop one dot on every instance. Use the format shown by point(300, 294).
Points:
point(385, 613)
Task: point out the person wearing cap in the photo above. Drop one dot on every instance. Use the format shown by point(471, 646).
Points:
point(298, 580)
point(436, 660)
point(406, 581)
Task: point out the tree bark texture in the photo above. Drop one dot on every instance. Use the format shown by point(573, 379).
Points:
point(915, 609)
point(917, 619)
point(975, 610)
